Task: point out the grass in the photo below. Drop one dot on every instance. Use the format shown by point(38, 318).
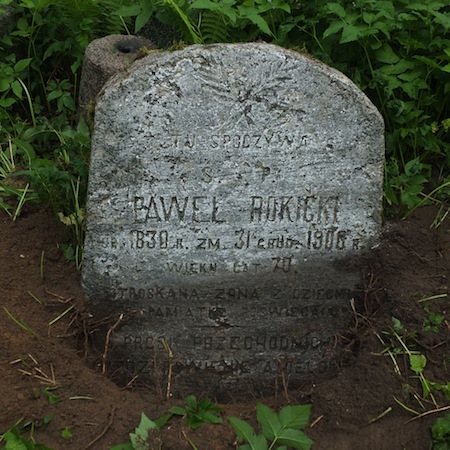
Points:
point(426, 398)
point(20, 323)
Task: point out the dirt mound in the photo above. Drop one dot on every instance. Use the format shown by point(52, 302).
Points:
point(46, 369)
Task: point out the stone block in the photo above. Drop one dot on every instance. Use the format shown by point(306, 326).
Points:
point(5, 18)
point(103, 58)
point(235, 191)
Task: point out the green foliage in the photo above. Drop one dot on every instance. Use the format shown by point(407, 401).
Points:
point(433, 321)
point(43, 152)
point(444, 388)
point(16, 441)
point(140, 436)
point(138, 439)
point(441, 433)
point(197, 413)
point(396, 51)
point(417, 362)
point(209, 21)
point(53, 399)
point(282, 429)
point(66, 433)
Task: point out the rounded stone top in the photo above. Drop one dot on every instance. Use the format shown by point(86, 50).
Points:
point(103, 58)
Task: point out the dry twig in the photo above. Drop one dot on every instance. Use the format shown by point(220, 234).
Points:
point(107, 427)
point(426, 413)
point(316, 421)
point(108, 336)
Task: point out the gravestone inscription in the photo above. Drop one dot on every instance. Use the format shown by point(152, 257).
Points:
point(234, 191)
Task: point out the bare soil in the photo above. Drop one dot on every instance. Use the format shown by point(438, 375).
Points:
point(53, 357)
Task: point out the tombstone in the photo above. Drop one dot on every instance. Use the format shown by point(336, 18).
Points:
point(103, 58)
point(7, 15)
point(235, 191)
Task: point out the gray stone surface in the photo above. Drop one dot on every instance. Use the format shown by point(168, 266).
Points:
point(234, 192)
point(6, 17)
point(103, 58)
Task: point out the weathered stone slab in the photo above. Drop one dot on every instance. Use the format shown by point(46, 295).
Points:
point(234, 191)
point(6, 17)
point(103, 58)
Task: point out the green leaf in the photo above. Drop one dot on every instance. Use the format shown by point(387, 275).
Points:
point(210, 417)
point(7, 102)
point(429, 62)
point(417, 363)
point(280, 4)
point(386, 55)
point(54, 94)
point(127, 446)
point(350, 33)
point(22, 23)
point(68, 102)
point(275, 4)
point(191, 401)
point(53, 48)
point(441, 428)
point(144, 16)
point(337, 9)
point(22, 64)
point(140, 436)
point(442, 19)
point(128, 11)
point(333, 29)
point(402, 66)
point(245, 432)
point(14, 440)
point(205, 4)
point(295, 439)
point(145, 424)
point(446, 68)
point(225, 7)
point(66, 433)
point(368, 17)
point(295, 416)
point(4, 84)
point(17, 89)
point(412, 76)
point(162, 420)
point(413, 167)
point(53, 399)
point(46, 422)
point(383, 28)
point(178, 410)
point(267, 418)
point(251, 14)
point(397, 326)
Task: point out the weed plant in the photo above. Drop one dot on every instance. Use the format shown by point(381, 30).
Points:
point(196, 413)
point(441, 433)
point(279, 431)
point(41, 140)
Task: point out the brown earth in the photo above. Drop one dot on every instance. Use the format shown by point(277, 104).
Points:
point(412, 263)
